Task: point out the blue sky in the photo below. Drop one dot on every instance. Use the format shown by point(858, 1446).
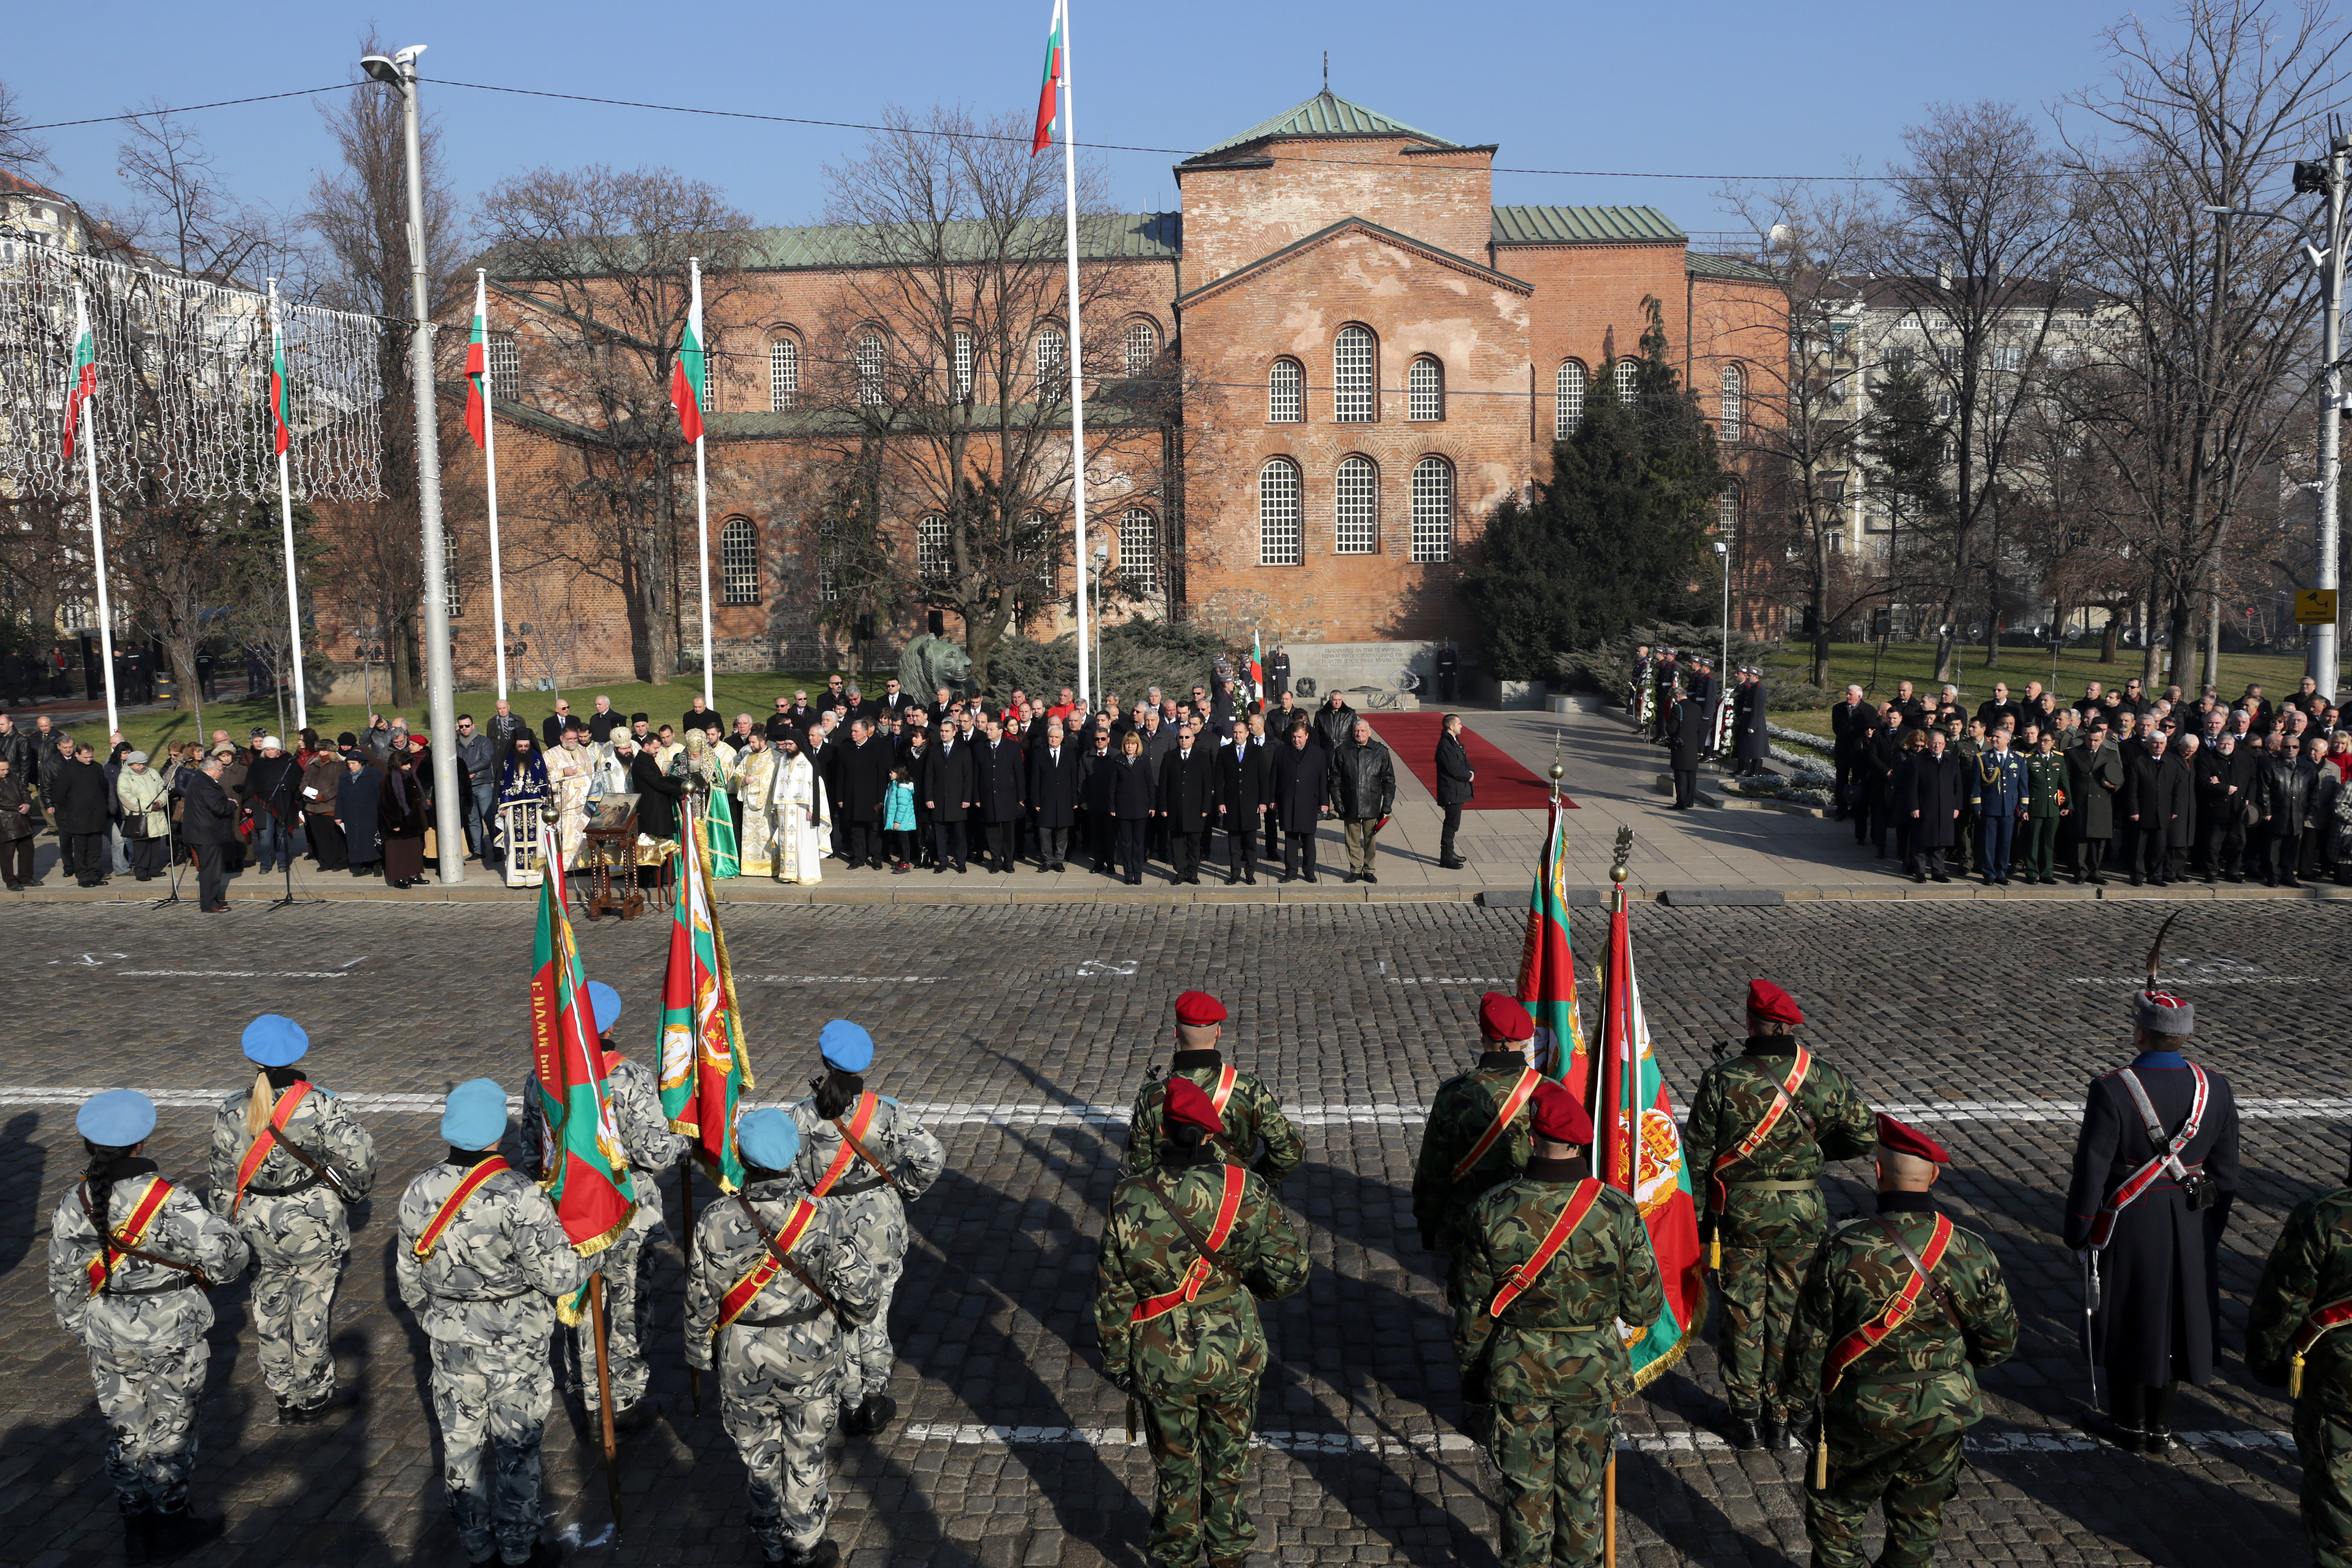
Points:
point(1804, 87)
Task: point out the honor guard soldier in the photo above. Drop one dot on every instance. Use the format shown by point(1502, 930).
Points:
point(2156, 1167)
point(776, 1288)
point(1762, 1125)
point(1249, 1110)
point(1191, 1247)
point(1476, 1137)
point(289, 1161)
point(136, 1300)
point(1552, 1261)
point(1899, 1311)
point(870, 1159)
point(651, 1149)
point(482, 1260)
point(2293, 1341)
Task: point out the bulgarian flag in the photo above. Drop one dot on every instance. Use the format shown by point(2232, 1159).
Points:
point(1257, 665)
point(583, 1167)
point(687, 383)
point(704, 1071)
point(1548, 967)
point(281, 432)
point(1047, 88)
point(478, 367)
point(85, 370)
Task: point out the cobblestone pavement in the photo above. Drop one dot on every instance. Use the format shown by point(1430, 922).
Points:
point(1021, 1033)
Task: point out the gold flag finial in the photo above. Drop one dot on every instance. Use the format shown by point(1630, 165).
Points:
point(1617, 870)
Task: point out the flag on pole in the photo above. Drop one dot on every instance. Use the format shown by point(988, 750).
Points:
point(1257, 665)
point(1047, 88)
point(478, 367)
point(704, 1071)
point(687, 382)
point(584, 1165)
point(281, 422)
point(85, 370)
point(1547, 968)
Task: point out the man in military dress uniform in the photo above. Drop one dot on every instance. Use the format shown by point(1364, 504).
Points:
point(289, 1158)
point(137, 1303)
point(1762, 1127)
point(870, 1159)
point(1898, 1311)
point(2045, 806)
point(774, 1296)
point(1476, 1136)
point(1250, 1110)
point(1552, 1261)
point(1999, 791)
point(2295, 1340)
point(1191, 1247)
point(481, 1260)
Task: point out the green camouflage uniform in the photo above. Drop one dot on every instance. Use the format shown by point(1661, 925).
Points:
point(1251, 1113)
point(1463, 1109)
point(1553, 1365)
point(873, 1217)
point(2045, 781)
point(1195, 1367)
point(2310, 1268)
point(299, 1234)
point(486, 1299)
point(1896, 1421)
point(1773, 1215)
point(785, 1368)
point(145, 1332)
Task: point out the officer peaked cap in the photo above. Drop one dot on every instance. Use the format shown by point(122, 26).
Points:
point(1505, 1018)
point(1197, 1008)
point(1894, 1135)
point(1189, 1105)
point(1767, 1000)
point(1561, 1116)
point(274, 1041)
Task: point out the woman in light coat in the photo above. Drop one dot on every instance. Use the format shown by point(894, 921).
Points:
point(146, 803)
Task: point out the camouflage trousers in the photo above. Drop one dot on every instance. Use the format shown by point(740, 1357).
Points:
point(628, 1315)
point(294, 1322)
point(1757, 1287)
point(2326, 1444)
point(779, 1427)
point(149, 1399)
point(870, 1355)
point(492, 1401)
point(1199, 1445)
point(1551, 1459)
point(1910, 1478)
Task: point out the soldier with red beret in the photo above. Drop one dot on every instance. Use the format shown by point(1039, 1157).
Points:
point(1476, 1136)
point(1762, 1126)
point(1248, 1108)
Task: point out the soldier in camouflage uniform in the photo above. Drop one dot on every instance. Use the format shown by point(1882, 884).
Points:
point(1249, 1108)
point(783, 1351)
point(482, 1260)
point(1763, 1206)
point(288, 1160)
point(1188, 1251)
point(1476, 1137)
point(864, 1155)
point(142, 1314)
point(2295, 1338)
point(1536, 1331)
point(652, 1149)
point(1893, 1360)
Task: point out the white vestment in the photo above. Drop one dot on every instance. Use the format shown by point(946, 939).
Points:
point(755, 828)
point(801, 844)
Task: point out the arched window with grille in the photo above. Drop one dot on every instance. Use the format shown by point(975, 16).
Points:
point(872, 360)
point(1568, 401)
point(738, 562)
point(1433, 510)
point(1278, 538)
point(1052, 355)
point(504, 360)
point(1726, 511)
point(1139, 551)
point(959, 356)
point(1355, 506)
point(783, 374)
point(1627, 370)
point(453, 587)
point(1285, 393)
point(1735, 390)
point(1426, 390)
point(828, 558)
point(1142, 347)
point(931, 549)
point(1351, 376)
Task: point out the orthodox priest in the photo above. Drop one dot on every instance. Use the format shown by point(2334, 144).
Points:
point(755, 782)
point(800, 818)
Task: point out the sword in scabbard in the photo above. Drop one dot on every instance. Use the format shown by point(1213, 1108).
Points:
point(2089, 1312)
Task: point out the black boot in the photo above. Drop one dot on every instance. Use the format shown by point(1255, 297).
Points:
point(823, 1554)
point(1771, 1431)
point(1740, 1429)
point(872, 1416)
point(2126, 1423)
point(138, 1531)
point(2158, 1405)
point(179, 1530)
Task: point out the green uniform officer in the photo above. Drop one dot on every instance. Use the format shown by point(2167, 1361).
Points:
point(2295, 1337)
point(1476, 1137)
point(2045, 805)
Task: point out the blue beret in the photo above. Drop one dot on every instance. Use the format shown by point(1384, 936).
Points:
point(605, 1003)
point(768, 1138)
point(116, 1119)
point(475, 1115)
point(275, 1041)
point(845, 1048)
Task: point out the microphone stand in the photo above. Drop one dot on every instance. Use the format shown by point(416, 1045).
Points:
point(172, 859)
point(287, 898)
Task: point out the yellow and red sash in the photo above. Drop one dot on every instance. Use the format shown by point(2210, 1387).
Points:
point(1523, 1276)
point(134, 1230)
point(1513, 1103)
point(473, 1182)
point(267, 1140)
point(1865, 1339)
point(1228, 1077)
point(741, 1295)
point(1718, 1194)
point(1197, 1272)
point(867, 1104)
point(2335, 1315)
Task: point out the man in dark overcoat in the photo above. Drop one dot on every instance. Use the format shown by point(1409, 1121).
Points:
point(945, 790)
point(2095, 776)
point(1455, 782)
point(1933, 789)
point(1054, 793)
point(866, 765)
point(1301, 786)
point(1686, 745)
point(2155, 803)
point(1188, 800)
point(1752, 739)
point(999, 789)
point(1244, 791)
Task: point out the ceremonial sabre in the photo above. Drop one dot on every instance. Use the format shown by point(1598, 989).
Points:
point(2090, 1312)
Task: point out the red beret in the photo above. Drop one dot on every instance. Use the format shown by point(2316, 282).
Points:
point(1559, 1115)
point(1188, 1104)
point(1505, 1018)
point(1198, 1008)
point(1767, 1000)
point(1893, 1134)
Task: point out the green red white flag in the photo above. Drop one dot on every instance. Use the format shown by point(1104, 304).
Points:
point(688, 383)
point(1048, 89)
point(281, 424)
point(84, 382)
point(704, 1071)
point(1257, 665)
point(1548, 966)
point(478, 367)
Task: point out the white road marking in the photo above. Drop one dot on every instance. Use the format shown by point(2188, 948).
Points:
point(1432, 1444)
point(232, 974)
point(848, 979)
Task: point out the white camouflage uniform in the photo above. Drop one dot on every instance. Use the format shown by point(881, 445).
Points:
point(875, 1214)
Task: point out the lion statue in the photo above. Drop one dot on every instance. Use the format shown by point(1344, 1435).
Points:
point(931, 662)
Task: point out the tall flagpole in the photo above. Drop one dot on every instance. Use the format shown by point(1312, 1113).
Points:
point(285, 505)
point(490, 466)
point(701, 477)
point(1077, 351)
point(97, 539)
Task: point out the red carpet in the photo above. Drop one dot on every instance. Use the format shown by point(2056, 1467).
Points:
point(1501, 784)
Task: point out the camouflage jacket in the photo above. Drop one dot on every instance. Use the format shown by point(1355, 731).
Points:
point(1215, 1340)
point(1251, 1113)
point(2310, 1268)
point(1463, 1109)
point(504, 1255)
point(726, 1246)
point(1558, 1342)
point(312, 1220)
point(644, 1132)
point(122, 1319)
point(1733, 1099)
point(1852, 1283)
point(910, 1149)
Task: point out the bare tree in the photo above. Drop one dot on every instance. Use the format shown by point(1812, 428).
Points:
point(18, 148)
point(182, 209)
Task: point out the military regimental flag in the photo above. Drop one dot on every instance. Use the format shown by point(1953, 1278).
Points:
point(1047, 90)
point(281, 422)
point(687, 383)
point(84, 373)
point(704, 1072)
point(1548, 967)
point(584, 1165)
point(1637, 1148)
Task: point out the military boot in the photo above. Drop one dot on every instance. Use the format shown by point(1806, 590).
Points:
point(138, 1531)
point(823, 1554)
point(179, 1530)
point(872, 1416)
point(1740, 1429)
point(1772, 1430)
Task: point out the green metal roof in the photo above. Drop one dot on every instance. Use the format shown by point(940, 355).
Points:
point(1132, 236)
point(1582, 225)
point(1325, 114)
point(1730, 267)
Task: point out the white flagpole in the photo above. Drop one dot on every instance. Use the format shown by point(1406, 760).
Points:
point(490, 467)
point(1077, 352)
point(97, 528)
point(701, 477)
point(286, 515)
